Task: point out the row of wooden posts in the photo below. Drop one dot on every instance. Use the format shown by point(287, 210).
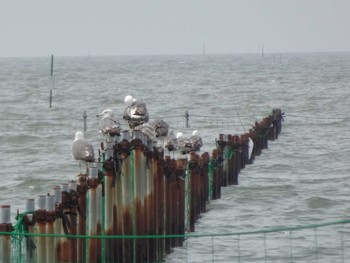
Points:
point(134, 205)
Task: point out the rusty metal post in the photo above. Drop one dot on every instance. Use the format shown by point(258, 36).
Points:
point(50, 217)
point(168, 202)
point(82, 189)
point(230, 156)
point(92, 183)
point(40, 217)
point(30, 221)
point(138, 194)
point(5, 240)
point(193, 193)
point(227, 155)
point(159, 204)
point(118, 205)
point(61, 244)
point(67, 247)
point(124, 149)
point(58, 221)
point(109, 186)
point(181, 174)
point(237, 159)
point(149, 201)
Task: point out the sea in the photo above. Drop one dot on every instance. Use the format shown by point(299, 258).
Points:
point(301, 179)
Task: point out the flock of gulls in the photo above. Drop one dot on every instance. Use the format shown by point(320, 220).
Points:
point(137, 117)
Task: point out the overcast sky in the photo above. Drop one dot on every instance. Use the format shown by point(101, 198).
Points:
point(128, 27)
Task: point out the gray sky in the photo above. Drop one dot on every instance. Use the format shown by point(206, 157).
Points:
point(129, 27)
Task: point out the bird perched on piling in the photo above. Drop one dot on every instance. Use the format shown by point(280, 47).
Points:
point(136, 112)
point(161, 128)
point(108, 124)
point(196, 141)
point(170, 142)
point(82, 150)
point(184, 144)
point(148, 131)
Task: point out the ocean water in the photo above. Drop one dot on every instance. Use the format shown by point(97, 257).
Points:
point(302, 178)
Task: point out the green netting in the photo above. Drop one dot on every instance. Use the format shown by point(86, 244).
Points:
point(318, 241)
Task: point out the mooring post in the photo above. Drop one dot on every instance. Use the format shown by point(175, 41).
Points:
point(124, 147)
point(50, 228)
point(40, 217)
point(82, 189)
point(160, 204)
point(51, 81)
point(187, 117)
point(84, 118)
point(58, 222)
point(109, 181)
point(5, 226)
point(30, 249)
point(92, 183)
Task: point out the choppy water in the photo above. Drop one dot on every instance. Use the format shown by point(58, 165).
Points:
point(303, 177)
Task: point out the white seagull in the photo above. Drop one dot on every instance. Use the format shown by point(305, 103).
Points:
point(136, 112)
point(161, 127)
point(108, 124)
point(196, 141)
point(82, 150)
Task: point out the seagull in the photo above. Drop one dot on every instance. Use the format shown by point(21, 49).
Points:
point(148, 131)
point(108, 124)
point(82, 149)
point(170, 142)
point(136, 112)
point(161, 127)
point(196, 141)
point(184, 144)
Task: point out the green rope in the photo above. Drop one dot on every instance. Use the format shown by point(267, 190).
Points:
point(188, 235)
point(210, 181)
point(229, 152)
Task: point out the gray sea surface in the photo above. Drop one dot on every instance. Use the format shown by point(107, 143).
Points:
point(302, 178)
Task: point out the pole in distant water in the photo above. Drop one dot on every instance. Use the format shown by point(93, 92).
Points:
point(187, 117)
point(51, 81)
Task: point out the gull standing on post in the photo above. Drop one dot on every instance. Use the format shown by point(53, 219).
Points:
point(196, 141)
point(183, 143)
point(136, 112)
point(170, 142)
point(161, 127)
point(82, 150)
point(109, 126)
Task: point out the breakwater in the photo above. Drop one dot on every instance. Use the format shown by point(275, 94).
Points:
point(134, 204)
